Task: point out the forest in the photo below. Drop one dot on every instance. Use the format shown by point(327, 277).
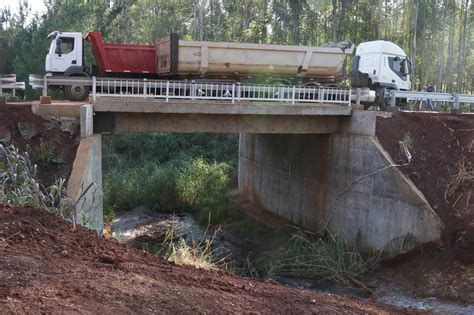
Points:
point(436, 34)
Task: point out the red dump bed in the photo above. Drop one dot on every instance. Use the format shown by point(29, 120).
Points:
point(121, 58)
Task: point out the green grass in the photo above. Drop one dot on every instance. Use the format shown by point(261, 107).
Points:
point(328, 259)
point(19, 184)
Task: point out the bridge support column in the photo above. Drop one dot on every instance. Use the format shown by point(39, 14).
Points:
point(84, 187)
point(87, 120)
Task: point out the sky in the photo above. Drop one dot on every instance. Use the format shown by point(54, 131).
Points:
point(36, 5)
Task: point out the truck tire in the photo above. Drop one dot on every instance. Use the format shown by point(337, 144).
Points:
point(382, 99)
point(76, 92)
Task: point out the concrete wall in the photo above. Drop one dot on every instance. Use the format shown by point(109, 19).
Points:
point(85, 183)
point(303, 178)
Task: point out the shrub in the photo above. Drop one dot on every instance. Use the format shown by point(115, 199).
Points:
point(160, 190)
point(200, 182)
point(19, 186)
point(329, 259)
point(44, 154)
point(122, 189)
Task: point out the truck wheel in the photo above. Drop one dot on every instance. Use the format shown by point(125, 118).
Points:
point(76, 92)
point(382, 99)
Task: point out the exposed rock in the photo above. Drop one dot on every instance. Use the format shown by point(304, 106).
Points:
point(29, 130)
point(51, 123)
point(69, 124)
point(5, 133)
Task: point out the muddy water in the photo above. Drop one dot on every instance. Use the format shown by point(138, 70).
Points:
point(146, 229)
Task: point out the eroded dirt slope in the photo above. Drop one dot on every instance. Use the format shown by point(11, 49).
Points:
point(46, 266)
point(440, 144)
point(28, 132)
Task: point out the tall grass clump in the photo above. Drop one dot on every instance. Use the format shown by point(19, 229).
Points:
point(330, 259)
point(19, 185)
point(201, 254)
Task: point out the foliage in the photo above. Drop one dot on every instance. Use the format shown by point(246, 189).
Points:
point(435, 34)
point(19, 186)
point(199, 182)
point(168, 187)
point(44, 155)
point(170, 172)
point(329, 259)
point(161, 148)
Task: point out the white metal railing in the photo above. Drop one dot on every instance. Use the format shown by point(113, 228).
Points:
point(454, 98)
point(233, 92)
point(194, 90)
point(8, 82)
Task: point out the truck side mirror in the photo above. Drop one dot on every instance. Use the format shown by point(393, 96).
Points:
point(58, 47)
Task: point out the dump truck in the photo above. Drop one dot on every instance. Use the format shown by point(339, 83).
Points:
point(377, 65)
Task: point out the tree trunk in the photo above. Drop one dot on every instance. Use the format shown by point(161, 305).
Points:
point(449, 61)
point(334, 20)
point(441, 48)
point(379, 19)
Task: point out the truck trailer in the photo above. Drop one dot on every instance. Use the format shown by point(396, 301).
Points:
point(377, 65)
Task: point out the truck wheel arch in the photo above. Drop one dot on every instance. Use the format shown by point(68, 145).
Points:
point(75, 71)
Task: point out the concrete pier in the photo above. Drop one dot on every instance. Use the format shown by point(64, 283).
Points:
point(336, 181)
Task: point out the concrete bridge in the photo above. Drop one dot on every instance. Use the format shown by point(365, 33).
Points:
point(315, 165)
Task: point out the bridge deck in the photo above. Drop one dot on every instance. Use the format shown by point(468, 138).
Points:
point(134, 105)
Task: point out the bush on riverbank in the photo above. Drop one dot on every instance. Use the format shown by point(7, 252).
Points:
point(169, 172)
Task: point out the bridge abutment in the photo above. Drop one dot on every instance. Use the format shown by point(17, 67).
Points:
point(342, 182)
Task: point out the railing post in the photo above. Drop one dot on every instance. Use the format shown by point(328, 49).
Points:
point(94, 88)
point(238, 91)
point(393, 98)
point(144, 87)
point(456, 108)
point(167, 90)
point(293, 97)
point(456, 101)
point(358, 92)
point(233, 93)
point(45, 85)
point(193, 89)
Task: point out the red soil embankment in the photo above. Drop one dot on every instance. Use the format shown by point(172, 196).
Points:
point(440, 145)
point(64, 144)
point(46, 266)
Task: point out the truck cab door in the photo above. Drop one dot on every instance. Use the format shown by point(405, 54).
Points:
point(67, 53)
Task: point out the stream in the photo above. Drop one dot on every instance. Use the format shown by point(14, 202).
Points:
point(146, 229)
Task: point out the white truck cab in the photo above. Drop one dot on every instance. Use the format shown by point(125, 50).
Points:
point(65, 53)
point(384, 65)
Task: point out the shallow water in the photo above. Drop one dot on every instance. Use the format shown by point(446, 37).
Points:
point(143, 224)
point(394, 295)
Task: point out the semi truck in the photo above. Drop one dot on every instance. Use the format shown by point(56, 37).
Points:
point(376, 65)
